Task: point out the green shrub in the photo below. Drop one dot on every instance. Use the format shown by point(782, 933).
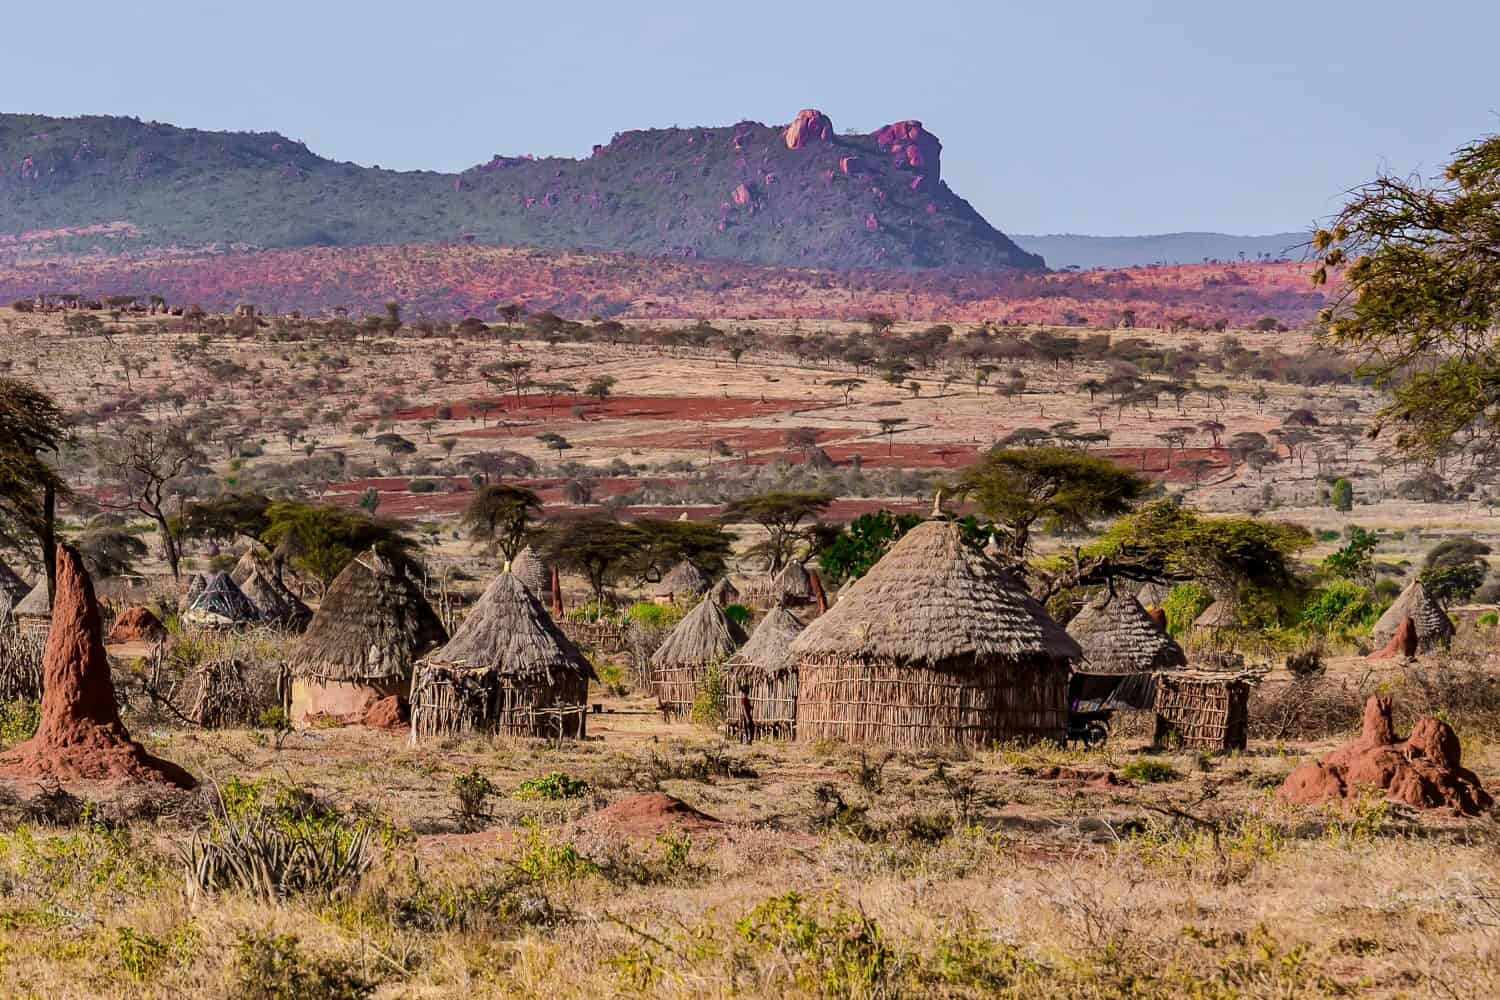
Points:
point(1489, 619)
point(1342, 496)
point(711, 700)
point(1342, 608)
point(272, 967)
point(1149, 772)
point(737, 613)
point(553, 786)
point(473, 791)
point(18, 721)
point(832, 950)
point(649, 614)
point(612, 678)
point(1183, 604)
point(422, 486)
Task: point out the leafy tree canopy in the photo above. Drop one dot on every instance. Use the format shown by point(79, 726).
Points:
point(782, 514)
point(319, 541)
point(501, 516)
point(850, 553)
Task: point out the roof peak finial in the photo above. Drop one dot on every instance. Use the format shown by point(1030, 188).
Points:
point(937, 505)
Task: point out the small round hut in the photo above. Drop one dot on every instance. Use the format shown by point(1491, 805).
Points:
point(935, 645)
point(1153, 594)
point(508, 669)
point(704, 637)
point(13, 589)
point(195, 586)
point(683, 582)
point(222, 604)
point(763, 671)
point(277, 604)
point(34, 613)
point(372, 627)
point(724, 593)
point(1122, 650)
point(793, 585)
point(1430, 619)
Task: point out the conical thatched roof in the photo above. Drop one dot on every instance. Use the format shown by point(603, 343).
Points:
point(274, 599)
point(1118, 637)
point(724, 593)
point(1434, 628)
point(683, 580)
point(793, 582)
point(534, 574)
point(195, 586)
point(1219, 614)
point(373, 624)
point(248, 563)
point(1153, 594)
point(222, 603)
point(13, 589)
point(768, 653)
point(935, 601)
point(509, 632)
point(706, 635)
point(37, 603)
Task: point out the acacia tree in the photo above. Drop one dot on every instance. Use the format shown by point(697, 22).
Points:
point(31, 425)
point(1059, 488)
point(783, 515)
point(143, 464)
point(594, 546)
point(1420, 298)
point(501, 516)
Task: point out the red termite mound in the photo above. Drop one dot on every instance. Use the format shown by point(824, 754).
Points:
point(1403, 644)
point(137, 625)
point(391, 714)
point(653, 813)
point(1423, 770)
point(81, 737)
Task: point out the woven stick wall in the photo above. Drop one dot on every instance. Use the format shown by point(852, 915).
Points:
point(448, 702)
point(600, 638)
point(1202, 711)
point(773, 703)
point(676, 687)
point(905, 707)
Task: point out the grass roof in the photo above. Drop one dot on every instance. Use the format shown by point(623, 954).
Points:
point(509, 632)
point(222, 602)
point(934, 601)
point(705, 635)
point(373, 624)
point(532, 572)
point(1118, 637)
point(1426, 612)
point(768, 652)
point(275, 600)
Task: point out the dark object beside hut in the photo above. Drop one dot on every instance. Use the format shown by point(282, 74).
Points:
point(1200, 710)
point(508, 669)
point(1123, 648)
point(372, 627)
point(935, 645)
point(1434, 627)
point(222, 604)
point(706, 636)
point(277, 604)
point(764, 667)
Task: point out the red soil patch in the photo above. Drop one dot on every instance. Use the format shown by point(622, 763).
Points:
point(652, 814)
point(81, 736)
point(616, 407)
point(1087, 779)
point(1422, 771)
point(137, 625)
point(391, 714)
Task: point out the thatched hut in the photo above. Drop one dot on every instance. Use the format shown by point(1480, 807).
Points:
point(13, 589)
point(1122, 650)
point(764, 669)
point(682, 582)
point(704, 637)
point(724, 593)
point(508, 669)
point(277, 604)
point(222, 604)
point(935, 645)
point(1433, 626)
point(195, 586)
point(1217, 617)
point(1203, 710)
point(372, 627)
point(1153, 594)
point(34, 613)
point(250, 561)
point(534, 574)
point(793, 585)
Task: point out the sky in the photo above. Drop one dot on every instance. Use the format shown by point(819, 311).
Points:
point(1082, 116)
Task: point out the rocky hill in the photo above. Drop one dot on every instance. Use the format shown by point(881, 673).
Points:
point(799, 194)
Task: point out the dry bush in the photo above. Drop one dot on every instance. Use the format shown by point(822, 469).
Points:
point(1319, 707)
point(20, 665)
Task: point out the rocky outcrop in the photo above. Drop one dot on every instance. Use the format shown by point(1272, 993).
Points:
point(911, 147)
point(810, 125)
point(80, 736)
point(1421, 771)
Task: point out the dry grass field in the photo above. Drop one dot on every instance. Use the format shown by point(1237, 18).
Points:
point(498, 867)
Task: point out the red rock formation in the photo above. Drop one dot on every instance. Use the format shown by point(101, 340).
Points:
point(1422, 771)
point(912, 148)
point(137, 625)
point(1403, 644)
point(81, 736)
point(810, 125)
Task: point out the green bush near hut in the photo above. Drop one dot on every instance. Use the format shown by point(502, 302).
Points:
point(738, 613)
point(18, 721)
point(1183, 604)
point(1146, 771)
point(551, 787)
point(711, 703)
point(649, 614)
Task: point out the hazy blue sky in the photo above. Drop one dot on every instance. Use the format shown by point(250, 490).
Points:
point(1066, 116)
